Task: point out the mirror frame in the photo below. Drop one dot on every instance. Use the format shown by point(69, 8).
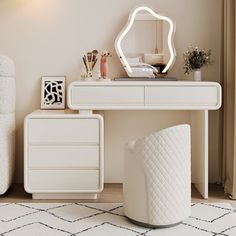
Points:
point(127, 28)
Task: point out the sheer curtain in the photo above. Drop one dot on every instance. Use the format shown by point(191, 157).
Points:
point(229, 101)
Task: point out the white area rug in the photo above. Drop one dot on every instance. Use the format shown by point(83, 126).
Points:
point(72, 219)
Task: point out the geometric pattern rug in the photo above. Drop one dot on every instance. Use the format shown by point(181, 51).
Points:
point(107, 219)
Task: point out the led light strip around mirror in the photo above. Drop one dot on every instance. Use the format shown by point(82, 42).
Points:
point(127, 29)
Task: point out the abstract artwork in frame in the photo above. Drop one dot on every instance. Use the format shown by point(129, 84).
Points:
point(53, 92)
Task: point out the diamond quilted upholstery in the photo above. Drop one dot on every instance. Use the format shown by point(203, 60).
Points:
point(7, 150)
point(7, 95)
point(7, 67)
point(7, 122)
point(165, 157)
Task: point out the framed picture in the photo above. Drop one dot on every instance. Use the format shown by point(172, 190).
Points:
point(53, 92)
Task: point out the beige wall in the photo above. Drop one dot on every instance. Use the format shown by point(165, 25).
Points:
point(48, 37)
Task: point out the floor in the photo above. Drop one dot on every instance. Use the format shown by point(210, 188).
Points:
point(112, 193)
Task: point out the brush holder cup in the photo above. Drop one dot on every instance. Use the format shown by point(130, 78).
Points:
point(89, 76)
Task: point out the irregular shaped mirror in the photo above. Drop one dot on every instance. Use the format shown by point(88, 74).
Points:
point(145, 45)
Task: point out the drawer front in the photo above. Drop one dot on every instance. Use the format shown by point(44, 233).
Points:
point(63, 130)
point(107, 95)
point(63, 180)
point(63, 156)
point(185, 96)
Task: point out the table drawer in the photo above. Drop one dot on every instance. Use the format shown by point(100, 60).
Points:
point(63, 180)
point(63, 130)
point(185, 96)
point(63, 156)
point(107, 95)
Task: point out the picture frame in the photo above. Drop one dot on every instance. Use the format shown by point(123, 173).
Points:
point(53, 92)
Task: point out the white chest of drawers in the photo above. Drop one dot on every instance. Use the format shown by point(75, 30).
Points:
point(63, 155)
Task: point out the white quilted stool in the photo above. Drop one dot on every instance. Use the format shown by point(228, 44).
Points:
point(157, 178)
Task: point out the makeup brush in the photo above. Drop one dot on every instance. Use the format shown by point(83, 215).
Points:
point(89, 56)
point(85, 63)
point(94, 53)
point(94, 57)
point(94, 62)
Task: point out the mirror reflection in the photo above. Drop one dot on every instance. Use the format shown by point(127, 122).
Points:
point(146, 42)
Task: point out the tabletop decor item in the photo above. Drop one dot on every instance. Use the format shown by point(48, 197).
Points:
point(194, 60)
point(104, 65)
point(89, 59)
point(53, 92)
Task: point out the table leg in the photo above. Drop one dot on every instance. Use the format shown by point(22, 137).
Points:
point(199, 129)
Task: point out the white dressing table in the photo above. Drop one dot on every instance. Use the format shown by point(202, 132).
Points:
point(197, 97)
point(64, 150)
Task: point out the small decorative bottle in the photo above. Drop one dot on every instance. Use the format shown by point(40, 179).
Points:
point(104, 65)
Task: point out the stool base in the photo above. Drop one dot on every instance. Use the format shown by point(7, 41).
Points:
point(151, 226)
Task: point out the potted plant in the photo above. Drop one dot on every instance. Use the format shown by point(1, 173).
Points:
point(195, 59)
